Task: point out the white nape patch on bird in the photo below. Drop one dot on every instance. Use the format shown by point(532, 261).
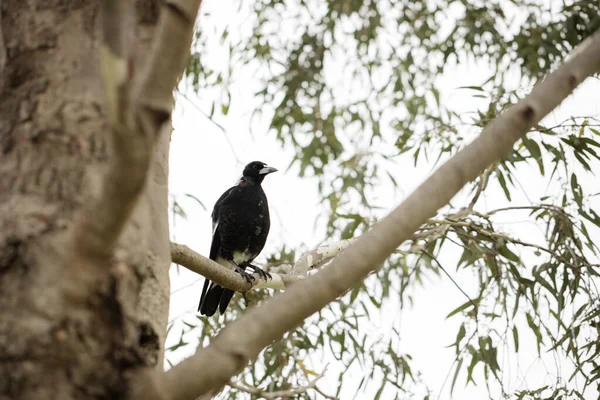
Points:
point(239, 180)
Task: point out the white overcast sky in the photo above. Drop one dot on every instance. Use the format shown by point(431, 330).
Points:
point(202, 163)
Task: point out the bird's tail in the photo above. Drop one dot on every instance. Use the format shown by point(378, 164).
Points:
point(214, 296)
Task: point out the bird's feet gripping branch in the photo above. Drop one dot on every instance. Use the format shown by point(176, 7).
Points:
point(242, 271)
point(263, 274)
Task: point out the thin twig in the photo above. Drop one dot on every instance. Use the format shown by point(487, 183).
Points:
point(261, 393)
point(215, 123)
point(452, 279)
point(508, 239)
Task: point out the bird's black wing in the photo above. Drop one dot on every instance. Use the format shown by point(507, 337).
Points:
point(213, 294)
point(215, 245)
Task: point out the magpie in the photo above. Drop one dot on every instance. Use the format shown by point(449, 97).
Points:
point(240, 221)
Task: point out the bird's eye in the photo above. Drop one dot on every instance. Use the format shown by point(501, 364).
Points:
point(256, 166)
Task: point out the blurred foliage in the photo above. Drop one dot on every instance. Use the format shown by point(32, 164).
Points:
point(352, 87)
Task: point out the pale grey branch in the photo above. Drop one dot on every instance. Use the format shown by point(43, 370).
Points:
point(186, 257)
point(137, 107)
point(282, 275)
point(320, 256)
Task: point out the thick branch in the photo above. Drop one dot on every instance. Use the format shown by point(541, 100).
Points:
point(184, 256)
point(169, 56)
point(229, 352)
point(136, 113)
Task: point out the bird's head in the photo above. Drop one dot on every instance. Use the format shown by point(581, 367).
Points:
point(257, 170)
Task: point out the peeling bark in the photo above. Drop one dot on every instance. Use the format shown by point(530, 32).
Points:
point(54, 150)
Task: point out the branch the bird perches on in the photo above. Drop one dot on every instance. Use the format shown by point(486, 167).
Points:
point(282, 275)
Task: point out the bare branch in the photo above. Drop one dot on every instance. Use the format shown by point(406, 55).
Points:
point(313, 259)
point(263, 394)
point(230, 351)
point(186, 257)
point(282, 275)
point(137, 109)
point(169, 56)
point(320, 255)
point(447, 223)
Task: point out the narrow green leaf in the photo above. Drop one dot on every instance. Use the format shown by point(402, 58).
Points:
point(583, 162)
point(461, 334)
point(460, 308)
point(456, 372)
point(191, 196)
point(542, 281)
point(502, 183)
point(536, 330)
point(536, 153)
point(509, 255)
point(474, 360)
point(478, 88)
point(380, 391)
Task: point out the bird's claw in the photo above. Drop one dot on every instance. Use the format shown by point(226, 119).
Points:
point(263, 274)
point(248, 277)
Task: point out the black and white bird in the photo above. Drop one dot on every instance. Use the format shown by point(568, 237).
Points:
point(241, 223)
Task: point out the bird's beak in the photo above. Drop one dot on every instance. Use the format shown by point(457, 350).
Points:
point(267, 170)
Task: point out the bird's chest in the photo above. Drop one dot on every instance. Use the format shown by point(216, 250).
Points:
point(245, 226)
point(252, 216)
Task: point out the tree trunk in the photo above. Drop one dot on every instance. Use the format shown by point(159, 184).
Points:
point(54, 149)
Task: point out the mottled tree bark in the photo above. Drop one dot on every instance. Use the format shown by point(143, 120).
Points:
point(54, 149)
